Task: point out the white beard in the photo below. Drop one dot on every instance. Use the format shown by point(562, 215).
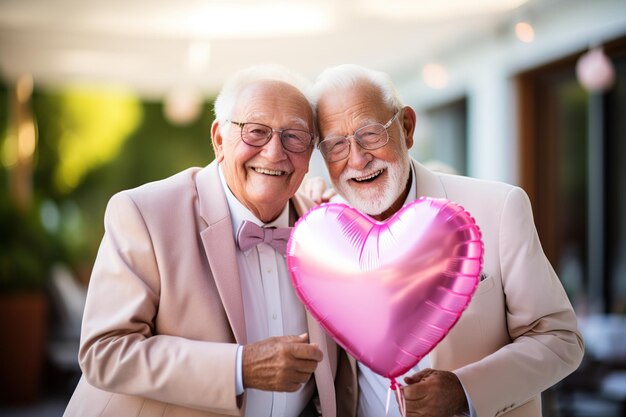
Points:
point(379, 197)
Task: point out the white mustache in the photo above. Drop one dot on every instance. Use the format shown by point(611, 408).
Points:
point(373, 166)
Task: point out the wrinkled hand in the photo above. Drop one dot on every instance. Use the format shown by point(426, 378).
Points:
point(434, 393)
point(316, 189)
point(279, 363)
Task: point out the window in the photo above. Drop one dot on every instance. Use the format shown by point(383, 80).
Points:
point(441, 137)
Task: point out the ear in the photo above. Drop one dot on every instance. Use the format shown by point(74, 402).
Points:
point(217, 140)
point(408, 125)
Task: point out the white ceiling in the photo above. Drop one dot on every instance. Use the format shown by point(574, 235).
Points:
point(156, 46)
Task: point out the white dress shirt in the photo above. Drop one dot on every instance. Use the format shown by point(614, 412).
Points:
point(271, 308)
point(373, 388)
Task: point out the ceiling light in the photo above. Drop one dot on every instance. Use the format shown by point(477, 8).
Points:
point(226, 20)
point(595, 71)
point(198, 56)
point(182, 106)
point(436, 10)
point(258, 19)
point(524, 32)
point(435, 76)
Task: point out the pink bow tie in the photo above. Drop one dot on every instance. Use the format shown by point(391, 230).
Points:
point(250, 234)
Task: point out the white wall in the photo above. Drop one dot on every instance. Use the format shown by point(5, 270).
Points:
point(484, 71)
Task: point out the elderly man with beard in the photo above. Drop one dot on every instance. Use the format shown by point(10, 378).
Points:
point(519, 334)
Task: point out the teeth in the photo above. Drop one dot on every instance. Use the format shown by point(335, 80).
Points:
point(268, 171)
point(369, 177)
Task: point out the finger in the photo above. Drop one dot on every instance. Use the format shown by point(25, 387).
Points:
point(418, 376)
point(301, 338)
point(305, 366)
point(414, 408)
point(328, 194)
point(305, 187)
point(303, 377)
point(412, 379)
point(293, 387)
point(316, 194)
point(316, 188)
point(307, 351)
point(414, 393)
point(293, 375)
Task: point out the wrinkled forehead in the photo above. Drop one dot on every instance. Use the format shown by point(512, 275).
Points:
point(265, 117)
point(342, 111)
point(273, 102)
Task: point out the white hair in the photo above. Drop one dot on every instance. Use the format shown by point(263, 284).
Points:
point(349, 75)
point(235, 84)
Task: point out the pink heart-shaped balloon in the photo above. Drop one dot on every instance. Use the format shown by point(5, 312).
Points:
point(387, 292)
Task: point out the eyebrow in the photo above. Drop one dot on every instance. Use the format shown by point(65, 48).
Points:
point(258, 117)
point(364, 122)
point(368, 122)
point(300, 122)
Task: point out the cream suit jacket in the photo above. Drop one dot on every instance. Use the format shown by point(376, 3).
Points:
point(164, 311)
point(519, 335)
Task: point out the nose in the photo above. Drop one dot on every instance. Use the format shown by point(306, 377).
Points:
point(358, 157)
point(273, 149)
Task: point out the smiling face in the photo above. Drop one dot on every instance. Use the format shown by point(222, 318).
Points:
point(264, 178)
point(373, 181)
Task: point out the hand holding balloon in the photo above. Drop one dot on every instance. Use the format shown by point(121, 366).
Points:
point(434, 393)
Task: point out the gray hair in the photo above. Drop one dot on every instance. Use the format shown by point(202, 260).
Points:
point(234, 85)
point(348, 75)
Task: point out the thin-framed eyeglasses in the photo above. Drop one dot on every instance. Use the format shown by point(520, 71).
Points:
point(370, 137)
point(258, 134)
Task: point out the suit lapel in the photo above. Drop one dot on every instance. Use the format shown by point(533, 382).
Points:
point(219, 245)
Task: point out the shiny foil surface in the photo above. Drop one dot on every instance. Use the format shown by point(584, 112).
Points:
point(387, 292)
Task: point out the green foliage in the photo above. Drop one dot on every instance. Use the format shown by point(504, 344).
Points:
point(26, 250)
point(95, 126)
point(91, 144)
point(154, 151)
point(4, 113)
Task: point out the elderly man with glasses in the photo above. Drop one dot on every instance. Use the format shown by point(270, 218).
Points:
point(190, 311)
point(519, 334)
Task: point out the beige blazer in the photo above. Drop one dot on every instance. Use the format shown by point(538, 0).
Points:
point(164, 311)
point(519, 334)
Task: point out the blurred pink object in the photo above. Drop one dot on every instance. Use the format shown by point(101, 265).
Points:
point(595, 71)
point(387, 292)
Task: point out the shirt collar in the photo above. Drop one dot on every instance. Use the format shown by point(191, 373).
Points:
point(239, 212)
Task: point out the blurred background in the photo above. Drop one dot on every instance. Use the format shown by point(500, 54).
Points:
point(99, 96)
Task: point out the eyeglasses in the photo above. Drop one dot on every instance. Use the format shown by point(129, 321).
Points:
point(257, 134)
point(370, 137)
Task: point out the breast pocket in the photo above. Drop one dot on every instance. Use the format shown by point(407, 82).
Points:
point(485, 285)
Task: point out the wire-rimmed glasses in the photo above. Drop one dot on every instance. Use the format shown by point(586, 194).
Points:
point(258, 134)
point(370, 137)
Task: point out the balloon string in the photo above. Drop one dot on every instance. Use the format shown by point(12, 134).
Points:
point(401, 403)
point(399, 398)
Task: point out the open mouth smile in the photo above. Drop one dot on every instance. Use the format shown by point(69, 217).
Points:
point(369, 178)
point(271, 172)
